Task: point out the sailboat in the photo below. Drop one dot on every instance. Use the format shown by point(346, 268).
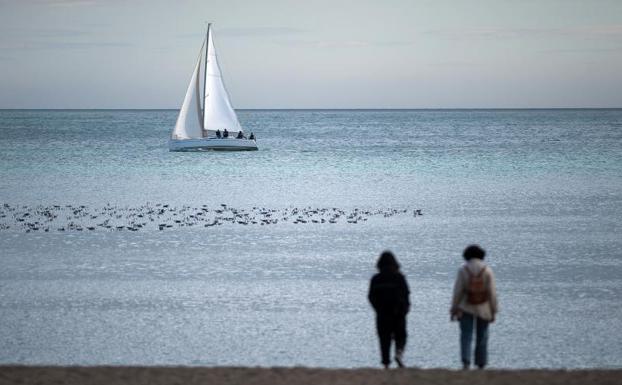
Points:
point(207, 128)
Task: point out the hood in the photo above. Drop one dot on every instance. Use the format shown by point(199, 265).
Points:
point(475, 265)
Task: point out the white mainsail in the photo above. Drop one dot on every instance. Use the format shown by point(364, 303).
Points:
point(188, 124)
point(218, 114)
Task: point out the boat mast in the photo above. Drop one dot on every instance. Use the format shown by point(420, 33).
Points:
point(205, 76)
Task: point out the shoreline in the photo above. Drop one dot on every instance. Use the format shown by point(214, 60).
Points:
point(12, 374)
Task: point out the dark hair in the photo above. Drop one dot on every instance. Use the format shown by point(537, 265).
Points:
point(387, 261)
point(473, 251)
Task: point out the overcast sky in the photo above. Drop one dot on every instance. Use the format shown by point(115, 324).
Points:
point(314, 53)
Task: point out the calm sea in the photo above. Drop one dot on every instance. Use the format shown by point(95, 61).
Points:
point(540, 190)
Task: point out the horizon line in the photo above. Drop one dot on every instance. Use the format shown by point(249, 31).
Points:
point(326, 109)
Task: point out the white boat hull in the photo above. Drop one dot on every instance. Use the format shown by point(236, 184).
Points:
point(205, 144)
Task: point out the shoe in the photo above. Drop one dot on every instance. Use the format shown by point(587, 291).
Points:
point(465, 366)
point(398, 358)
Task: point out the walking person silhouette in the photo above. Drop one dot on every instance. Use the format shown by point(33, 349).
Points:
point(474, 304)
point(388, 294)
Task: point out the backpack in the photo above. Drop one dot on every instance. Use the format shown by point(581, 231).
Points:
point(477, 293)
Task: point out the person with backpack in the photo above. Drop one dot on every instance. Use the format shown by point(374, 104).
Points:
point(474, 305)
point(388, 294)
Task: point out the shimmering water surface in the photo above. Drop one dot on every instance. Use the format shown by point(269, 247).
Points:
point(540, 190)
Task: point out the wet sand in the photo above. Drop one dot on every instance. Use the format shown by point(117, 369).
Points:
point(303, 376)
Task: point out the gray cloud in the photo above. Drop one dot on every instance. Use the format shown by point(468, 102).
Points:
point(613, 31)
point(581, 50)
point(453, 64)
point(248, 32)
point(325, 43)
point(345, 43)
point(66, 3)
point(42, 32)
point(55, 45)
point(260, 31)
point(53, 3)
point(23, 39)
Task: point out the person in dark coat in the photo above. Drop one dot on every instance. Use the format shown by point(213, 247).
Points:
point(388, 294)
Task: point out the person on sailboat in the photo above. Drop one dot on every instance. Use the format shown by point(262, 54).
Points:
point(194, 122)
point(252, 137)
point(240, 135)
point(218, 135)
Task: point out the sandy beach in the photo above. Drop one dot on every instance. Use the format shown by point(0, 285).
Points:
point(302, 376)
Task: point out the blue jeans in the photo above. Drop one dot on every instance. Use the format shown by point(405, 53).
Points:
point(481, 339)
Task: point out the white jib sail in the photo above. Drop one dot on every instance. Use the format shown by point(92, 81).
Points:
point(219, 114)
point(188, 124)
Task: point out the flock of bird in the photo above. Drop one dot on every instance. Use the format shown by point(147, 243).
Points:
point(160, 216)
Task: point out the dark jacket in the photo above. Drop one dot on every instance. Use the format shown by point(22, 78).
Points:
point(388, 293)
